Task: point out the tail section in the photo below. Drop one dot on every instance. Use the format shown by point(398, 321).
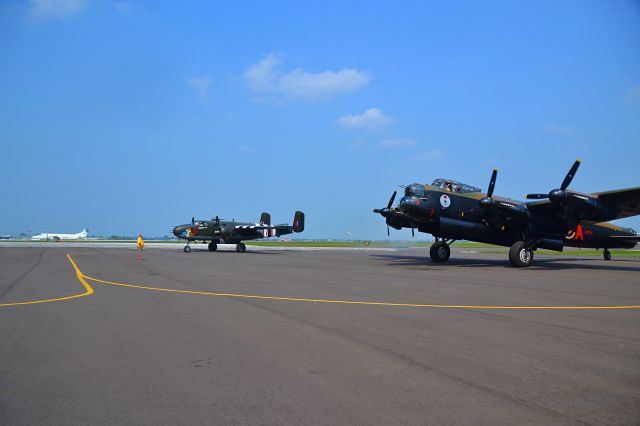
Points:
point(265, 219)
point(298, 222)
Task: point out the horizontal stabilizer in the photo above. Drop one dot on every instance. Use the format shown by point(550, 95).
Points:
point(629, 238)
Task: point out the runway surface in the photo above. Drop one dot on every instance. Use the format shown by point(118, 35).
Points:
point(315, 337)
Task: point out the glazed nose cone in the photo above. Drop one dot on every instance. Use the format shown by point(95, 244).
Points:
point(179, 230)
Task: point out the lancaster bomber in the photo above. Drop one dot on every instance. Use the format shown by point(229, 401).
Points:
point(218, 231)
point(451, 211)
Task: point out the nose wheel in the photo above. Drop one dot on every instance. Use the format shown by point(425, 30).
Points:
point(606, 254)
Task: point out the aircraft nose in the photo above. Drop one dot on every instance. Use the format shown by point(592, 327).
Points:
point(178, 230)
point(414, 207)
point(408, 203)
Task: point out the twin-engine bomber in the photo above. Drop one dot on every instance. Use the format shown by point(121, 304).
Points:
point(218, 231)
point(453, 211)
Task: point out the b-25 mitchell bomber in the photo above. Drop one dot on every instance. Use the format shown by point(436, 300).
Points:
point(219, 231)
point(453, 211)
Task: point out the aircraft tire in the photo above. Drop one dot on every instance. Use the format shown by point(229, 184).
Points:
point(213, 246)
point(520, 256)
point(440, 252)
point(187, 249)
point(241, 248)
point(606, 254)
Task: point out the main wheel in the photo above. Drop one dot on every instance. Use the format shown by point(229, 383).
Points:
point(187, 249)
point(213, 246)
point(440, 252)
point(520, 256)
point(241, 248)
point(607, 254)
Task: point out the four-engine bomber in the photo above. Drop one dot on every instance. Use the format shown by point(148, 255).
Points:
point(451, 210)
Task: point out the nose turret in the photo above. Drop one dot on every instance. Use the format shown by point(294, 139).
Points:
point(179, 230)
point(417, 208)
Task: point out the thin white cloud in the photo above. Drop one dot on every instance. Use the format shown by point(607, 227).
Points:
point(372, 118)
point(262, 75)
point(632, 95)
point(123, 7)
point(266, 76)
point(52, 9)
point(490, 162)
point(434, 154)
point(397, 143)
point(200, 85)
point(559, 129)
point(245, 150)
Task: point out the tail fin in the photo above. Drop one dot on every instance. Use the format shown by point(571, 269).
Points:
point(298, 222)
point(265, 218)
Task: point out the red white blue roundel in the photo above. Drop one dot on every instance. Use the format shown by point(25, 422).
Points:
point(445, 201)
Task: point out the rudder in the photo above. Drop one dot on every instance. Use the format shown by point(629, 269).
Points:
point(298, 222)
point(265, 218)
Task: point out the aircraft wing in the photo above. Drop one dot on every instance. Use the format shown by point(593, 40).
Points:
point(543, 207)
point(264, 230)
point(626, 202)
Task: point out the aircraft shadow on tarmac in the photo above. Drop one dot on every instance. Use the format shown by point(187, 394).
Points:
point(544, 263)
point(198, 251)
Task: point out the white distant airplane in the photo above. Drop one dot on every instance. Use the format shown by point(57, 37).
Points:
point(57, 237)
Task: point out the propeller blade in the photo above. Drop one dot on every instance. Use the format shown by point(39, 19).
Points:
point(388, 233)
point(536, 196)
point(492, 183)
point(572, 172)
point(393, 197)
point(413, 233)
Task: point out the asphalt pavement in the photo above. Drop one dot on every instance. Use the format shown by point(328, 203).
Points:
point(94, 335)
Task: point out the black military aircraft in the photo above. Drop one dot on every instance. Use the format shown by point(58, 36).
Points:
point(453, 211)
point(218, 231)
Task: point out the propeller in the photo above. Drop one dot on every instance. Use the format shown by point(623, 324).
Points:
point(558, 195)
point(492, 183)
point(487, 202)
point(387, 210)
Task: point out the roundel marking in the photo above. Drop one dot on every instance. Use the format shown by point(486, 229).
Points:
point(445, 201)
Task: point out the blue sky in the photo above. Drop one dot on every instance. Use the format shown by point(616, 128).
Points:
point(130, 117)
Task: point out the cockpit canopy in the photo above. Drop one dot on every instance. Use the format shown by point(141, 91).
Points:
point(453, 186)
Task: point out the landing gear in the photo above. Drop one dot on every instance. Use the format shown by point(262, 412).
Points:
point(187, 249)
point(440, 251)
point(213, 246)
point(241, 248)
point(520, 255)
point(606, 254)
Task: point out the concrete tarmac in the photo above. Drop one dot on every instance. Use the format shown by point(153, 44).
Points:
point(267, 337)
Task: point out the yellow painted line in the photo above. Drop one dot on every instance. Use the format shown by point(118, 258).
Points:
point(88, 290)
point(342, 302)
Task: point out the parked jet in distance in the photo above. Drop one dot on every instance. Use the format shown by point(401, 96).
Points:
point(48, 236)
